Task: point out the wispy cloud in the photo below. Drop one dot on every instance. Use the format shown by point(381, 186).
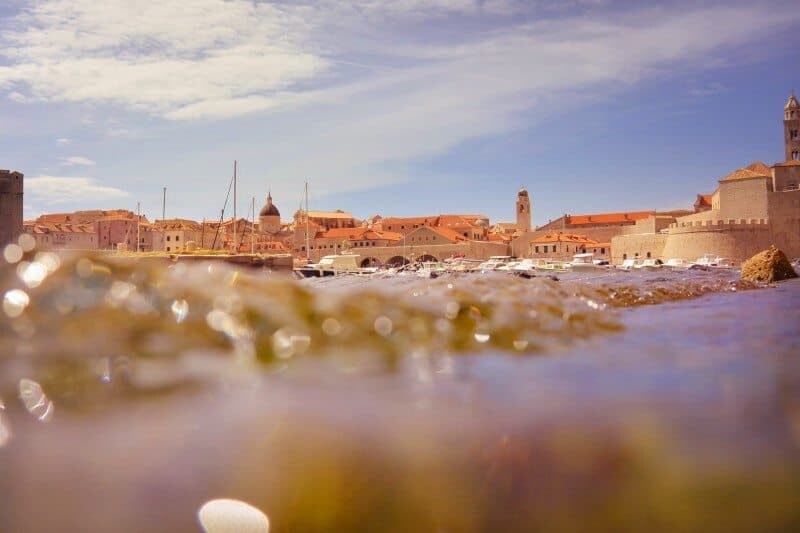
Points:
point(54, 190)
point(357, 88)
point(62, 141)
point(157, 56)
point(708, 90)
point(78, 161)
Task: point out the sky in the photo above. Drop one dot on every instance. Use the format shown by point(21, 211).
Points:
point(403, 107)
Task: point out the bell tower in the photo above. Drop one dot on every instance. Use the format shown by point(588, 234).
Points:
point(523, 210)
point(791, 128)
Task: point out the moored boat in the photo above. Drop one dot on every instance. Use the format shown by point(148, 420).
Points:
point(332, 265)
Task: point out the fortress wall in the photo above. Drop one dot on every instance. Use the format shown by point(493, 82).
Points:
point(628, 246)
point(11, 187)
point(737, 240)
point(744, 199)
point(785, 219)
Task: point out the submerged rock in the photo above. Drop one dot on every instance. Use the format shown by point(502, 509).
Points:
point(768, 266)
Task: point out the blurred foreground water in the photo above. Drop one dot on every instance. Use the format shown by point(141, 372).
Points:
point(132, 393)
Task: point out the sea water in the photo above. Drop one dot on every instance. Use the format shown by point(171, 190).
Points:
point(131, 394)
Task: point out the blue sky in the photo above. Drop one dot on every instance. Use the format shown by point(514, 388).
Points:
point(401, 107)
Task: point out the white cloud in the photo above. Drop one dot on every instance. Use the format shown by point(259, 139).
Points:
point(62, 141)
point(157, 56)
point(53, 190)
point(19, 98)
point(77, 160)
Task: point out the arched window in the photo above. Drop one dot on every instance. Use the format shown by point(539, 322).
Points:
point(648, 255)
point(624, 256)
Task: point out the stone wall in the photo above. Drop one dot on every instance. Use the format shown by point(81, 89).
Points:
point(640, 246)
point(744, 199)
point(11, 189)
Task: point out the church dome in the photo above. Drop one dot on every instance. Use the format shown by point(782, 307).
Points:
point(269, 209)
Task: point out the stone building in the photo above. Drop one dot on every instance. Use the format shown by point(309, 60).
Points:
point(563, 246)
point(269, 218)
point(11, 190)
point(791, 128)
point(62, 236)
point(752, 208)
point(524, 213)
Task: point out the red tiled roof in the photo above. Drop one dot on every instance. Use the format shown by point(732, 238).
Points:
point(449, 234)
point(606, 218)
point(704, 200)
point(754, 170)
point(792, 163)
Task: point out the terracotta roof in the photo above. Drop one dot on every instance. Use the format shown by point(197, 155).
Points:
point(751, 171)
point(436, 220)
point(329, 214)
point(788, 164)
point(606, 218)
point(565, 237)
point(423, 221)
point(342, 233)
point(704, 200)
point(449, 234)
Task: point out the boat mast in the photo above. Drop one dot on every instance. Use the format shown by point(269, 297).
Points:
point(308, 247)
point(253, 229)
point(234, 207)
point(138, 221)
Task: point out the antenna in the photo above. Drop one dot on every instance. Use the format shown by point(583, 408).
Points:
point(308, 247)
point(234, 205)
point(138, 223)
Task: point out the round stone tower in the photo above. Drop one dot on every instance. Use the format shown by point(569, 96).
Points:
point(269, 219)
point(523, 210)
point(791, 128)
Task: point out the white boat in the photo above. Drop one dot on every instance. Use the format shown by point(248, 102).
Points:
point(649, 264)
point(332, 265)
point(628, 264)
point(494, 263)
point(676, 263)
point(430, 270)
point(583, 262)
point(712, 261)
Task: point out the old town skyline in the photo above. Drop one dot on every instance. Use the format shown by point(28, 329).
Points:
point(408, 130)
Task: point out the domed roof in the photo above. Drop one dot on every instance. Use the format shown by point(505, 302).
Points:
point(523, 192)
point(269, 209)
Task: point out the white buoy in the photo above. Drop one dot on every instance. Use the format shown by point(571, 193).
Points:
point(229, 516)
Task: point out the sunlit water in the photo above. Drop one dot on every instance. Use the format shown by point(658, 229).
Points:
point(131, 394)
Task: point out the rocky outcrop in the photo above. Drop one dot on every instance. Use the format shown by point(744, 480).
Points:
point(768, 266)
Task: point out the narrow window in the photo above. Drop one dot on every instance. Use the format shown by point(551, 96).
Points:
point(537, 249)
point(624, 256)
point(648, 255)
point(602, 251)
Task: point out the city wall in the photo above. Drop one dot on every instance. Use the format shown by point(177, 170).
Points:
point(11, 188)
point(437, 252)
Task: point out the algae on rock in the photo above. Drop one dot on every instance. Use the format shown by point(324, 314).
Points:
point(768, 266)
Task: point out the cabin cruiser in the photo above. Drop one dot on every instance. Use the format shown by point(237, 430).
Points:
point(495, 262)
point(712, 261)
point(676, 263)
point(649, 264)
point(583, 262)
point(332, 265)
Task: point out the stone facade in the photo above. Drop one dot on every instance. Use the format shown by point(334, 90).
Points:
point(11, 190)
point(524, 212)
point(791, 128)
